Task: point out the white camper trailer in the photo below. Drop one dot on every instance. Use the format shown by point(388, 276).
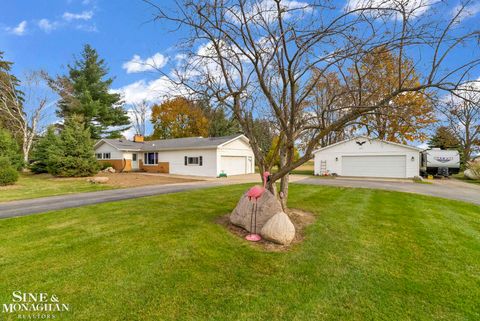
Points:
point(440, 162)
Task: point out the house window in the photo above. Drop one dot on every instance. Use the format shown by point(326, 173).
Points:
point(194, 160)
point(150, 158)
point(106, 155)
point(134, 157)
point(99, 155)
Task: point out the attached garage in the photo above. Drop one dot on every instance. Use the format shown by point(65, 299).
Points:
point(365, 157)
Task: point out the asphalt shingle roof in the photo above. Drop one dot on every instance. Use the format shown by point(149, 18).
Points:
point(169, 144)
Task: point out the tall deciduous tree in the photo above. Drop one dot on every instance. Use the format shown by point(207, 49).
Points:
point(402, 118)
point(462, 112)
point(178, 117)
point(85, 91)
point(139, 111)
point(25, 111)
point(257, 57)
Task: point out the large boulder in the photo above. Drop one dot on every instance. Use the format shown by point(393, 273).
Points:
point(267, 206)
point(470, 174)
point(98, 180)
point(279, 229)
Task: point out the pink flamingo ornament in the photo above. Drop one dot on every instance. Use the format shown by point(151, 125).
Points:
point(255, 193)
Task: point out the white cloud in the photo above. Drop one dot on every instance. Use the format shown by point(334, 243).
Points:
point(153, 91)
point(137, 64)
point(467, 12)
point(413, 8)
point(85, 15)
point(18, 30)
point(46, 25)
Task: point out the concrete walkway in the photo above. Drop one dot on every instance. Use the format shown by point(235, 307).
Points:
point(451, 188)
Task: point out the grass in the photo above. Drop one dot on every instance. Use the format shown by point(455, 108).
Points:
point(304, 169)
point(34, 186)
point(370, 255)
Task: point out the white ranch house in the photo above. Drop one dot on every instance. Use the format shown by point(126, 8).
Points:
point(193, 156)
point(365, 157)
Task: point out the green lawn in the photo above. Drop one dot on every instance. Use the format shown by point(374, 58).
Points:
point(33, 186)
point(370, 255)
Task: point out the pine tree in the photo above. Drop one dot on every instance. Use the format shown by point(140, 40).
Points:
point(444, 138)
point(9, 149)
point(74, 155)
point(86, 92)
point(7, 82)
point(43, 149)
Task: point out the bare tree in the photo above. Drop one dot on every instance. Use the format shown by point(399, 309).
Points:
point(462, 112)
point(25, 112)
point(139, 111)
point(258, 56)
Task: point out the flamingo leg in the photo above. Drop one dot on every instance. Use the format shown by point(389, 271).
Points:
point(255, 220)
point(251, 219)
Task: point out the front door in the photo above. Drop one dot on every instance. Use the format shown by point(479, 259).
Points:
point(134, 161)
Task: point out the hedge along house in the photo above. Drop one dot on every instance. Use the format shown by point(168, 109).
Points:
point(195, 156)
point(366, 157)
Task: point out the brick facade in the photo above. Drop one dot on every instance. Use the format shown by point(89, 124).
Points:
point(161, 167)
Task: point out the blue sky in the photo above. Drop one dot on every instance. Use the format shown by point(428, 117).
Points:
point(46, 34)
point(55, 30)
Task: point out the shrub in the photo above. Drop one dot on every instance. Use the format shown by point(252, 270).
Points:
point(8, 174)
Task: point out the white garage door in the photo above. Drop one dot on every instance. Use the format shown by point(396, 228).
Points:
point(374, 166)
point(233, 165)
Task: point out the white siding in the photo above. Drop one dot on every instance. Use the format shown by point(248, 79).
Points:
point(106, 148)
point(176, 160)
point(333, 156)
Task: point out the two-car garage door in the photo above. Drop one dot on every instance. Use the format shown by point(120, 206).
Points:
point(374, 166)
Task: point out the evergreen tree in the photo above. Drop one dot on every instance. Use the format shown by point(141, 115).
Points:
point(219, 123)
point(85, 91)
point(74, 154)
point(7, 83)
point(42, 150)
point(444, 138)
point(9, 149)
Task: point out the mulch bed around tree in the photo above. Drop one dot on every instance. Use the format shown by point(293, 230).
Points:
point(300, 219)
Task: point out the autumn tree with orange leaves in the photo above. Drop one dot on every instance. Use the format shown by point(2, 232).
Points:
point(178, 118)
point(406, 116)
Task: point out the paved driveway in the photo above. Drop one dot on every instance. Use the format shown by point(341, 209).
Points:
point(452, 189)
point(46, 204)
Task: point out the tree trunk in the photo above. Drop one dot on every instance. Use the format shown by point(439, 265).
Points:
point(284, 191)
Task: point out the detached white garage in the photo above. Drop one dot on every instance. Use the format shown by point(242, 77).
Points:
point(365, 157)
